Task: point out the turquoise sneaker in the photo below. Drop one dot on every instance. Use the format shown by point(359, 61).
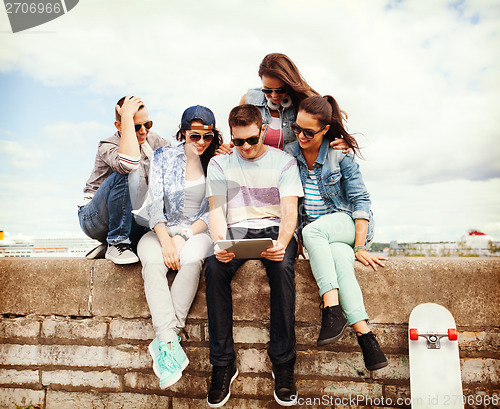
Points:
point(169, 360)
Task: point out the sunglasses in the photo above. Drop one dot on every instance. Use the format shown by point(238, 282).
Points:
point(253, 140)
point(195, 137)
point(308, 133)
point(147, 125)
point(268, 91)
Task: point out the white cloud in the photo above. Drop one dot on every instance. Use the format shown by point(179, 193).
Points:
point(419, 79)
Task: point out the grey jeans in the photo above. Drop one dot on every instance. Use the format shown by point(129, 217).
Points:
point(169, 307)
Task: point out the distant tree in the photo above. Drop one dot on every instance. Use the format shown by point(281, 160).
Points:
point(492, 247)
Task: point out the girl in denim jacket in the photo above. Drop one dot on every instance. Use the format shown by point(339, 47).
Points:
point(338, 222)
point(178, 214)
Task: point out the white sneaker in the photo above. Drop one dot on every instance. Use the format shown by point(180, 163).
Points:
point(121, 254)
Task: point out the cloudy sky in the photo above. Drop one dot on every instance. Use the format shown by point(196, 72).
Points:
point(420, 80)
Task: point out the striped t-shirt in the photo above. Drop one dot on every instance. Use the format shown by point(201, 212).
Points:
point(313, 202)
point(253, 187)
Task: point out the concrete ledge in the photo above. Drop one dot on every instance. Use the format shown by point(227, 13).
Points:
point(469, 287)
point(74, 333)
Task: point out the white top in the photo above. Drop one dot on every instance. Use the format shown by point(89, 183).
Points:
point(194, 193)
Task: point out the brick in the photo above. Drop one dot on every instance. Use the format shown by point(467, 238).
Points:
point(332, 364)
point(258, 386)
point(122, 356)
point(399, 394)
point(198, 359)
point(13, 398)
point(142, 381)
point(100, 400)
point(250, 334)
point(11, 354)
point(233, 403)
point(479, 341)
point(19, 377)
point(197, 385)
point(95, 379)
point(398, 369)
point(18, 328)
point(76, 330)
point(486, 370)
point(128, 300)
point(45, 286)
point(252, 360)
point(131, 329)
point(130, 356)
point(307, 297)
point(189, 385)
point(195, 332)
point(332, 389)
point(477, 398)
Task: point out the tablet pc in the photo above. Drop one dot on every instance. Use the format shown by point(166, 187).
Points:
point(246, 248)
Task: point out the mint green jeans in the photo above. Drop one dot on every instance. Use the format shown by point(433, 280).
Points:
point(328, 241)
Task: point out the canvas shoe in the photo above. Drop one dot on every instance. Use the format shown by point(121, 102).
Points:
point(121, 253)
point(220, 384)
point(333, 324)
point(169, 360)
point(285, 391)
point(97, 252)
point(372, 354)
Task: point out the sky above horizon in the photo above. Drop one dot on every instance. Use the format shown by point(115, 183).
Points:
point(420, 81)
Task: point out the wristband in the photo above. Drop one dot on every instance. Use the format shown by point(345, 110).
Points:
point(359, 248)
point(189, 232)
point(186, 238)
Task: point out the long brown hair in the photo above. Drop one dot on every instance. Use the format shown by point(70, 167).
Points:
point(280, 66)
point(327, 112)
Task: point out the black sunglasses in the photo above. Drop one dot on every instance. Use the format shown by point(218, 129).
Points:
point(195, 137)
point(147, 125)
point(253, 140)
point(267, 91)
point(308, 133)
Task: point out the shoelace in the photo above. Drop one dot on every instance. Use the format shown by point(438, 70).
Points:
point(367, 339)
point(121, 247)
point(219, 375)
point(167, 358)
point(327, 319)
point(284, 376)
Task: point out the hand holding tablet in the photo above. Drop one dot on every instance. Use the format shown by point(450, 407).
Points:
point(245, 248)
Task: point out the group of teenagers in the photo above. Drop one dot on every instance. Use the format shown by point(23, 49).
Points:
point(288, 174)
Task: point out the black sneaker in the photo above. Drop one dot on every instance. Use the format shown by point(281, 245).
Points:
point(285, 391)
point(222, 378)
point(121, 254)
point(333, 324)
point(372, 354)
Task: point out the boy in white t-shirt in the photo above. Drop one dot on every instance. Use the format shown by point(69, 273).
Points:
point(253, 193)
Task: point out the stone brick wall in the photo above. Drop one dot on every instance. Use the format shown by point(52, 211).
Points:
point(74, 334)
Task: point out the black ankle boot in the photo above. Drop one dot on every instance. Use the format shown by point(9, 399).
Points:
point(333, 324)
point(372, 354)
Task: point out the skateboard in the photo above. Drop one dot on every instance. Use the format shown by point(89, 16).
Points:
point(435, 379)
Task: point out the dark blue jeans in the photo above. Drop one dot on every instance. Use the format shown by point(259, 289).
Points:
point(108, 217)
point(281, 277)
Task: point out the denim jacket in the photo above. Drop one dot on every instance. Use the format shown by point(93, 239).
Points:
point(339, 181)
point(256, 97)
point(166, 189)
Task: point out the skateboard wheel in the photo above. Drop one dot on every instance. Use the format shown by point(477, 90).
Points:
point(414, 334)
point(452, 334)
